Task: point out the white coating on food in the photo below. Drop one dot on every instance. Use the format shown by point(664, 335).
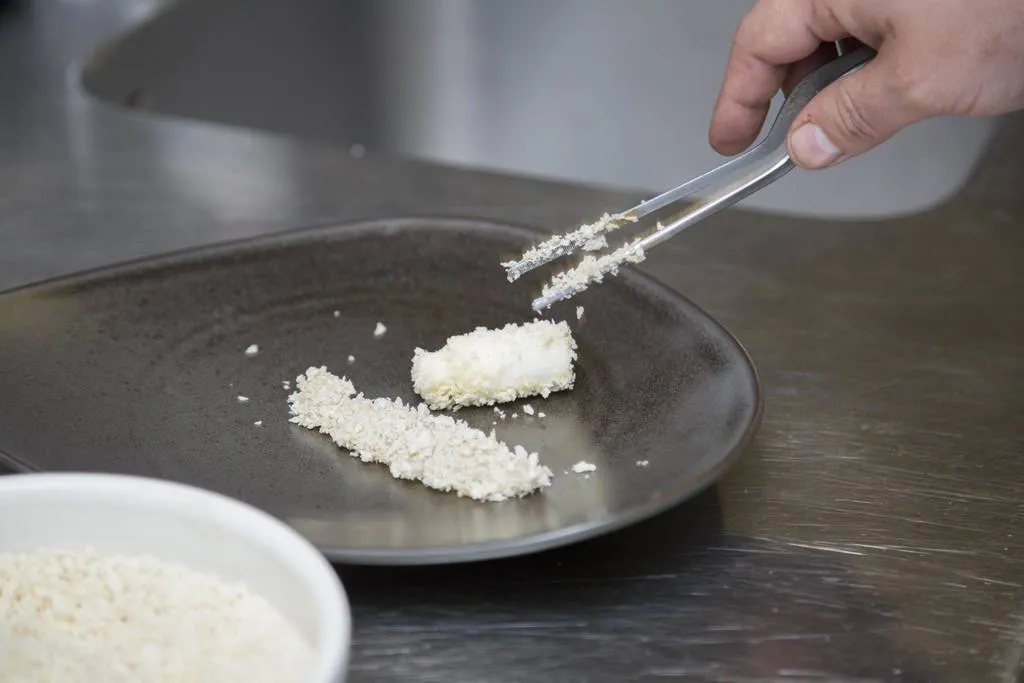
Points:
point(438, 450)
point(486, 367)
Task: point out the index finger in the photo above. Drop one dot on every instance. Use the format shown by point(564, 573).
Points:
point(774, 35)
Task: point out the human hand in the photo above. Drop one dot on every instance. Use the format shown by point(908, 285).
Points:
point(935, 58)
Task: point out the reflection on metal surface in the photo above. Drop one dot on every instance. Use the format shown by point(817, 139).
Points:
point(260, 182)
point(873, 533)
point(730, 609)
point(613, 92)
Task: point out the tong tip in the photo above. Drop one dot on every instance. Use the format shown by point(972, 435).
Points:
point(589, 237)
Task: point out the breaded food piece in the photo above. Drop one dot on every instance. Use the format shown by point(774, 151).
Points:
point(486, 367)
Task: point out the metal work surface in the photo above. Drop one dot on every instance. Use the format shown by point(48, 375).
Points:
point(151, 355)
point(872, 533)
point(528, 86)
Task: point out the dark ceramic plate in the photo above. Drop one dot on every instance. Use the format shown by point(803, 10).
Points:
point(138, 369)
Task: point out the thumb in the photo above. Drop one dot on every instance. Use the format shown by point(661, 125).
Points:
point(851, 116)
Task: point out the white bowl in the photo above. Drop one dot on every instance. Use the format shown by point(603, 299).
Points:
point(205, 531)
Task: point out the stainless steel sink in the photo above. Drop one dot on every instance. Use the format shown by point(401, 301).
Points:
point(607, 92)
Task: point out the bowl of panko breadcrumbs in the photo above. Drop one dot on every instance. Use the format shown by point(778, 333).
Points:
point(127, 579)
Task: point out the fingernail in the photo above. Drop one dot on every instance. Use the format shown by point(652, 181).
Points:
point(811, 148)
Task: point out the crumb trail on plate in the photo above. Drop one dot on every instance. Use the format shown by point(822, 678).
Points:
point(379, 330)
point(252, 350)
point(441, 452)
point(582, 467)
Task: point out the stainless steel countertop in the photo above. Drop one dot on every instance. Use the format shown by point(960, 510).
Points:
point(875, 531)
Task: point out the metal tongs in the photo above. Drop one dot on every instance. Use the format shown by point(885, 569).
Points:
point(758, 167)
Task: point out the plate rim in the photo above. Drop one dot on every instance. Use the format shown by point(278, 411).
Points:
point(458, 554)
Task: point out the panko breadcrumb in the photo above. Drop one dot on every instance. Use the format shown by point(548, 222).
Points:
point(485, 367)
point(443, 453)
point(589, 237)
point(83, 617)
point(593, 269)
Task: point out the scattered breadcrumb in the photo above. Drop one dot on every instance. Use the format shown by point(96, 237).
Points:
point(484, 367)
point(351, 359)
point(252, 350)
point(642, 463)
point(285, 384)
point(541, 415)
point(337, 314)
point(583, 466)
point(579, 313)
point(258, 423)
point(243, 399)
point(515, 415)
point(443, 453)
point(86, 617)
point(528, 409)
point(379, 330)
